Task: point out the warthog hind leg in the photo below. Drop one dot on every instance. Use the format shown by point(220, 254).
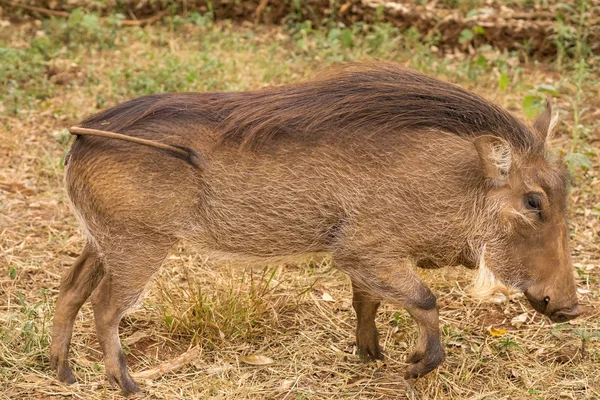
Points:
point(76, 286)
point(129, 266)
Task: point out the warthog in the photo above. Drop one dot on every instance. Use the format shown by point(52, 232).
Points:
point(377, 165)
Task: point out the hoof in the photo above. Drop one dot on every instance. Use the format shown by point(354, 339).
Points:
point(372, 352)
point(63, 371)
point(367, 341)
point(66, 376)
point(125, 382)
point(420, 363)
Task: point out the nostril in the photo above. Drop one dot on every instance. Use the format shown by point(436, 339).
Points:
point(561, 318)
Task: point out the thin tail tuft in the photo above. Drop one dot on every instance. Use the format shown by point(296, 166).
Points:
point(191, 156)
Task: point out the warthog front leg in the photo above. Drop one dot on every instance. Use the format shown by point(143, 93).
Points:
point(367, 338)
point(428, 353)
point(377, 279)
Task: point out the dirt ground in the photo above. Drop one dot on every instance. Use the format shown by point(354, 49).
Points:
point(297, 317)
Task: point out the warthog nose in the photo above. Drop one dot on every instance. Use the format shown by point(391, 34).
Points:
point(566, 315)
point(539, 305)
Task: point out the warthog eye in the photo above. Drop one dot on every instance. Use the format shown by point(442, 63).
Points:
point(533, 202)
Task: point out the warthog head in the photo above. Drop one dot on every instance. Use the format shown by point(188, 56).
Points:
point(528, 243)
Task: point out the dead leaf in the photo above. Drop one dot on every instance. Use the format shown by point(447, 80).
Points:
point(256, 359)
point(519, 320)
point(327, 297)
point(497, 332)
point(136, 337)
point(287, 384)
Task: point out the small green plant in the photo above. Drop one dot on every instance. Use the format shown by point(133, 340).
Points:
point(30, 326)
point(533, 104)
point(344, 36)
point(206, 19)
point(581, 48)
point(82, 28)
point(468, 35)
point(507, 344)
point(571, 39)
point(580, 153)
point(400, 318)
point(562, 38)
point(382, 37)
point(587, 335)
point(503, 80)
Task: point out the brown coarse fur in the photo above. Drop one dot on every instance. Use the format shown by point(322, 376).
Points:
point(380, 166)
point(354, 99)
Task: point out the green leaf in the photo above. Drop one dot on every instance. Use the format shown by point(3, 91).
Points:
point(481, 61)
point(503, 81)
point(472, 13)
point(478, 11)
point(12, 272)
point(333, 34)
point(578, 160)
point(22, 302)
point(347, 37)
point(76, 16)
point(379, 13)
point(532, 105)
point(90, 22)
point(466, 35)
point(588, 150)
point(478, 30)
point(546, 88)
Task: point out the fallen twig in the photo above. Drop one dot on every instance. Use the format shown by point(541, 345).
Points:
point(259, 10)
point(170, 366)
point(40, 10)
point(145, 21)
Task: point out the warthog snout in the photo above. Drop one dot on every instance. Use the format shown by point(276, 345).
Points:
point(547, 306)
point(566, 315)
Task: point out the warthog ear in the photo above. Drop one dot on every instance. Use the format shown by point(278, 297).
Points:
point(546, 122)
point(494, 155)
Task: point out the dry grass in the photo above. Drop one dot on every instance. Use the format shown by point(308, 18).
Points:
point(300, 316)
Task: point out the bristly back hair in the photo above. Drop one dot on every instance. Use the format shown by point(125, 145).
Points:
point(368, 98)
point(353, 99)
